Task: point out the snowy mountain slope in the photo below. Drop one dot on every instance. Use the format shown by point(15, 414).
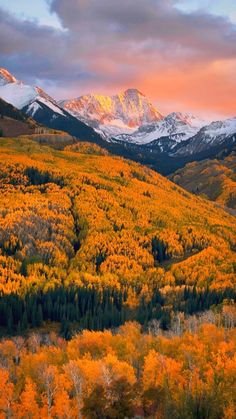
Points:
point(175, 127)
point(35, 102)
point(113, 115)
point(52, 116)
point(20, 95)
point(131, 118)
point(215, 134)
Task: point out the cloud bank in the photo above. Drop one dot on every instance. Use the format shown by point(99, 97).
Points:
point(181, 60)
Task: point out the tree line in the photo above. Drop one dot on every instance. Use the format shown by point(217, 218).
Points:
point(98, 309)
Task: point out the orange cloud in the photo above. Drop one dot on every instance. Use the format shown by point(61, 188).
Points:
point(204, 88)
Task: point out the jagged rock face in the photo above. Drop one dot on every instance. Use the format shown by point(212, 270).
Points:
point(126, 111)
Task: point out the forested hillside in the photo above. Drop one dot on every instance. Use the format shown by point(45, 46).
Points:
point(215, 179)
point(90, 242)
point(80, 222)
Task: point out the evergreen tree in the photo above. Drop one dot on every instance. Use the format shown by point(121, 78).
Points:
point(39, 316)
point(65, 329)
point(24, 321)
point(9, 321)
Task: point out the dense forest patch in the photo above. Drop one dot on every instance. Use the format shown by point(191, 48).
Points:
point(71, 218)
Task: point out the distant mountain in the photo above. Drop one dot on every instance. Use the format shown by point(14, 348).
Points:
point(34, 102)
point(114, 115)
point(19, 94)
point(177, 127)
point(137, 129)
point(216, 134)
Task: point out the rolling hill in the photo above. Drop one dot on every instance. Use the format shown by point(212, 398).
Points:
point(75, 217)
point(216, 179)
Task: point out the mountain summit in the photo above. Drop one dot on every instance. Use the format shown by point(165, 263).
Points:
point(121, 113)
point(6, 77)
point(20, 94)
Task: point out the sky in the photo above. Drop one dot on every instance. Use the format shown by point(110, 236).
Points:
point(180, 53)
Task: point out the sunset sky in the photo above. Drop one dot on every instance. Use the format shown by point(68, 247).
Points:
point(181, 53)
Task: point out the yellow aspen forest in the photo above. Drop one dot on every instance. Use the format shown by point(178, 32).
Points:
point(72, 217)
point(117, 290)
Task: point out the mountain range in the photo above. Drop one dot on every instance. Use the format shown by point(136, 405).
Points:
point(131, 118)
point(127, 124)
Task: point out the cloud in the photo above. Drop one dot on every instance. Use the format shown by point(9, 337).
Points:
point(131, 21)
point(177, 57)
point(34, 52)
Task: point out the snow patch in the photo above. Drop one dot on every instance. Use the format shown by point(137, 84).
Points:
point(18, 94)
point(113, 115)
point(51, 105)
point(33, 108)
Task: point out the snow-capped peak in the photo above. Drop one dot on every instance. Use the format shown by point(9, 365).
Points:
point(20, 95)
point(212, 135)
point(112, 115)
point(6, 77)
point(132, 93)
point(219, 128)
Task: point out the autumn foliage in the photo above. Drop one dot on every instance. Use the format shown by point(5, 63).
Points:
point(87, 242)
point(73, 217)
point(105, 375)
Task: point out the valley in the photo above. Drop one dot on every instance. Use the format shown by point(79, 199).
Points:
point(127, 218)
